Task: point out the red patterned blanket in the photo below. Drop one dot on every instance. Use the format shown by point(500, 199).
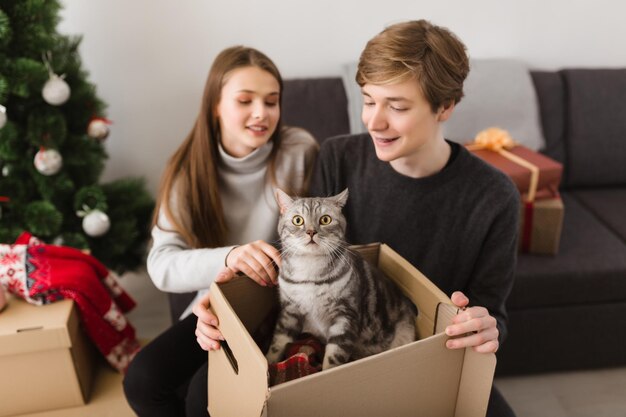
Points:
point(303, 357)
point(42, 273)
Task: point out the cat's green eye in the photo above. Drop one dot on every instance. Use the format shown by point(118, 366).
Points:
point(297, 220)
point(325, 220)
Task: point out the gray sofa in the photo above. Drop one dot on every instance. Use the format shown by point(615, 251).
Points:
point(566, 311)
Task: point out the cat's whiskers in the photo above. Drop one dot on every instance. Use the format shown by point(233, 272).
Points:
point(346, 246)
point(330, 252)
point(336, 252)
point(288, 250)
point(343, 248)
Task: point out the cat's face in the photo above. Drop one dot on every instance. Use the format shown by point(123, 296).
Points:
point(311, 225)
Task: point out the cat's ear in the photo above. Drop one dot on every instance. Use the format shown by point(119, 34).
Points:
point(284, 201)
point(341, 198)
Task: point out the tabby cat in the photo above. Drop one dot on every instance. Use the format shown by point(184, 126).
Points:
point(330, 291)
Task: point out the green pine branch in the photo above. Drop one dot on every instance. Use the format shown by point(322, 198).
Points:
point(47, 205)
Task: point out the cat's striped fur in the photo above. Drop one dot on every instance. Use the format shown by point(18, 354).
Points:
point(331, 292)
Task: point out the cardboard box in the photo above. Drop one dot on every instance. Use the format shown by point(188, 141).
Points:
point(550, 171)
point(45, 360)
point(541, 223)
point(421, 378)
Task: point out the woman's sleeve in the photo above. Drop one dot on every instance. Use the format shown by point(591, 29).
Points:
point(296, 160)
point(321, 181)
point(310, 157)
point(175, 267)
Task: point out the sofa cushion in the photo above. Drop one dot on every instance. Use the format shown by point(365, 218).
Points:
point(354, 96)
point(608, 205)
point(500, 93)
point(590, 267)
point(596, 126)
point(551, 95)
point(317, 104)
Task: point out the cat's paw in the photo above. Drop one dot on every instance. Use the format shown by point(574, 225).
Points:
point(277, 348)
point(329, 362)
point(274, 354)
point(334, 356)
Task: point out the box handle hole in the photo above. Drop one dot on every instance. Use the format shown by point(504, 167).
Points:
point(231, 357)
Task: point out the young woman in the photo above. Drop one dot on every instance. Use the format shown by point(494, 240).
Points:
point(451, 215)
point(216, 208)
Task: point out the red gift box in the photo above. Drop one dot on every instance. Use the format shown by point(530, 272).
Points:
point(529, 170)
point(550, 171)
point(537, 178)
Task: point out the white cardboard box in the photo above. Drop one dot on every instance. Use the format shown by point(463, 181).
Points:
point(46, 362)
point(423, 378)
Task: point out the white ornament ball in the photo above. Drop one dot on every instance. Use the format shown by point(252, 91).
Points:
point(3, 116)
point(48, 161)
point(6, 171)
point(96, 223)
point(56, 91)
point(98, 129)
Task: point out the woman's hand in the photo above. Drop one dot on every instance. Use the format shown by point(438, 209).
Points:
point(481, 326)
point(207, 334)
point(257, 260)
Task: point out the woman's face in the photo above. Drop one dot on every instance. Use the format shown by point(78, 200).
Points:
point(248, 110)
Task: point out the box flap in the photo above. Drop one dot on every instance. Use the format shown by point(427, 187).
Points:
point(84, 355)
point(477, 373)
point(427, 374)
point(475, 384)
point(28, 328)
point(250, 301)
point(416, 286)
point(444, 316)
point(238, 370)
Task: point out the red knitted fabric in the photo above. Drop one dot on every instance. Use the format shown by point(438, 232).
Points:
point(303, 358)
point(42, 273)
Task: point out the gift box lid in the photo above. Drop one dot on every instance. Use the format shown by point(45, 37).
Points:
point(550, 171)
point(26, 328)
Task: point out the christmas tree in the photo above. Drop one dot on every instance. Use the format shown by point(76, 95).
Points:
point(52, 132)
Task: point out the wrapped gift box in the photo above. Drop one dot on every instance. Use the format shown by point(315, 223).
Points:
point(541, 223)
point(537, 178)
point(550, 171)
point(46, 360)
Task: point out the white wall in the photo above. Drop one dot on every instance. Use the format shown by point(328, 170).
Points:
point(149, 58)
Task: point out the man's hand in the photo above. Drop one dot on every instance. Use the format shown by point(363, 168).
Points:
point(478, 326)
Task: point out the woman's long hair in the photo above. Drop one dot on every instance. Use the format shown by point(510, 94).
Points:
point(191, 173)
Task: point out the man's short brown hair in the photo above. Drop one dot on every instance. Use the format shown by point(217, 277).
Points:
point(417, 49)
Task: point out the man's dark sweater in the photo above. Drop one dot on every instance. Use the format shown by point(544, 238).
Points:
point(459, 226)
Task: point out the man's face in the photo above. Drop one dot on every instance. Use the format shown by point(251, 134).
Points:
point(400, 120)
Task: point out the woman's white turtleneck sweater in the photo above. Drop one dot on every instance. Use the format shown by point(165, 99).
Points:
point(250, 211)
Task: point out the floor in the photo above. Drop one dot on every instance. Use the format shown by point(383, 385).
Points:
point(599, 393)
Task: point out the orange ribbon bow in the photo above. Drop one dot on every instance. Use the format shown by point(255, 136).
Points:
point(499, 140)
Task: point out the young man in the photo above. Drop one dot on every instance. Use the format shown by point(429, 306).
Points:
point(452, 216)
